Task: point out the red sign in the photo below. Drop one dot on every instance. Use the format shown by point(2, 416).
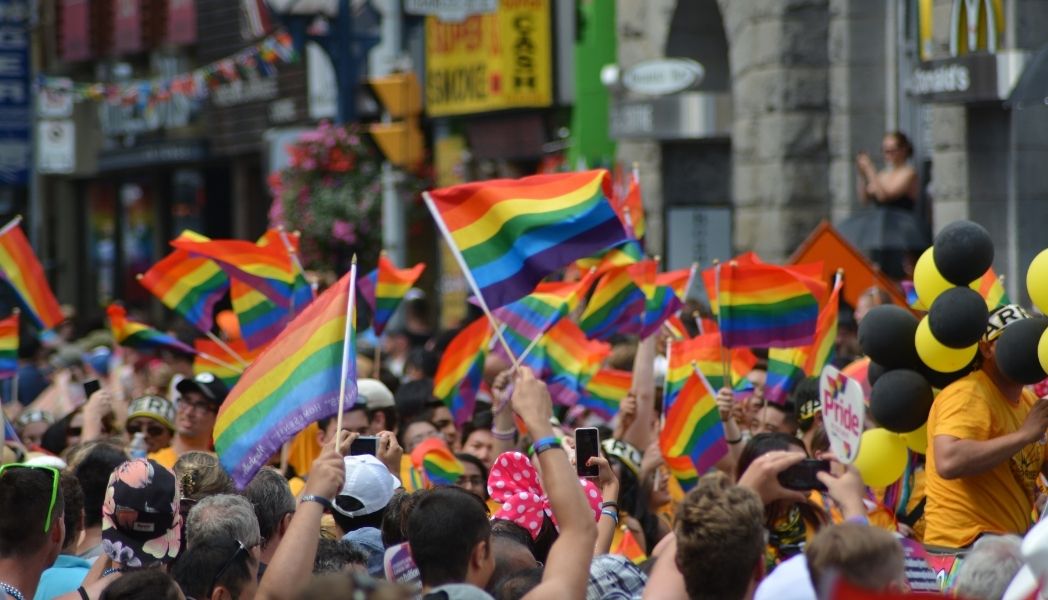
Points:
point(181, 21)
point(127, 26)
point(76, 37)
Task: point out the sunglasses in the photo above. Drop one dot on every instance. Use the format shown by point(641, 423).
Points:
point(240, 551)
point(153, 430)
point(54, 486)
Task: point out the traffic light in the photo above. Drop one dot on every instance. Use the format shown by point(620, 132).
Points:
point(400, 140)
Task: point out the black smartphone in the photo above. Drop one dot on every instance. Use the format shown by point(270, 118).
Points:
point(91, 386)
point(365, 444)
point(801, 476)
point(587, 445)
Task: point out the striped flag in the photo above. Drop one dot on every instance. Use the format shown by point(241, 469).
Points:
point(9, 346)
point(764, 306)
point(461, 368)
point(605, 391)
point(140, 336)
point(21, 269)
point(385, 287)
point(692, 428)
point(187, 285)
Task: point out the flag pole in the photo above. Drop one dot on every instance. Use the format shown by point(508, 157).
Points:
point(468, 274)
point(697, 316)
point(296, 263)
point(11, 224)
point(348, 333)
point(725, 357)
point(531, 346)
point(214, 338)
point(219, 361)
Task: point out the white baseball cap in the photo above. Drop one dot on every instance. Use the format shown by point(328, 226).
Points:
point(374, 394)
point(369, 486)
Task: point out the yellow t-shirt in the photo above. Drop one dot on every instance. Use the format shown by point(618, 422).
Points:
point(166, 457)
point(996, 501)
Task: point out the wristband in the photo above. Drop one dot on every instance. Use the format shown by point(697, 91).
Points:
point(318, 499)
point(735, 441)
point(507, 435)
point(609, 504)
point(614, 515)
point(543, 444)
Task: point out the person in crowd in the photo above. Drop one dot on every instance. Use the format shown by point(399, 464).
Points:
point(440, 415)
point(69, 570)
point(412, 398)
point(198, 405)
point(417, 431)
point(153, 416)
point(805, 397)
point(149, 583)
point(864, 557)
point(775, 418)
point(32, 526)
point(379, 405)
point(449, 534)
point(274, 505)
point(477, 440)
point(353, 586)
point(871, 297)
point(335, 556)
point(360, 506)
point(474, 478)
point(512, 549)
point(199, 476)
point(394, 521)
point(986, 449)
point(519, 584)
point(223, 516)
point(218, 568)
point(92, 464)
point(897, 185)
point(989, 568)
point(31, 425)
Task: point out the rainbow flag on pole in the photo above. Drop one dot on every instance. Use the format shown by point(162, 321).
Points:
point(261, 321)
point(267, 268)
point(693, 428)
point(292, 383)
point(213, 358)
point(461, 368)
point(187, 285)
point(509, 234)
point(704, 352)
point(570, 360)
point(605, 391)
point(9, 346)
point(990, 287)
point(618, 303)
point(764, 306)
point(140, 336)
point(787, 366)
point(385, 287)
point(20, 268)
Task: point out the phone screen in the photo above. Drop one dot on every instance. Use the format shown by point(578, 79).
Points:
point(802, 476)
point(91, 386)
point(587, 445)
point(365, 444)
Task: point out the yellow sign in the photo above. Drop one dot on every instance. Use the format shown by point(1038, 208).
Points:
point(975, 26)
point(452, 285)
point(490, 61)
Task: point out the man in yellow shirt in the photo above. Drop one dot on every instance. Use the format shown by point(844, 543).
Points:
point(986, 447)
point(197, 409)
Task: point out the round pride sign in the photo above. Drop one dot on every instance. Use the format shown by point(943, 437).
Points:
point(843, 411)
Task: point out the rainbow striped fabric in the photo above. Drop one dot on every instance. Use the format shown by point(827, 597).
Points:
point(822, 350)
point(213, 358)
point(693, 429)
point(570, 360)
point(10, 435)
point(764, 306)
point(618, 301)
point(705, 352)
point(990, 287)
point(261, 321)
point(787, 366)
point(460, 370)
point(20, 268)
point(187, 285)
point(292, 383)
point(302, 292)
point(9, 346)
point(511, 234)
point(605, 391)
point(629, 547)
point(385, 287)
point(631, 208)
point(436, 462)
point(624, 254)
point(267, 268)
point(140, 336)
point(663, 304)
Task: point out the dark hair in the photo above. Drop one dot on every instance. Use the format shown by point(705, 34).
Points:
point(407, 425)
point(333, 556)
point(55, 439)
point(389, 412)
point(93, 472)
point(903, 141)
point(395, 519)
point(544, 541)
point(807, 391)
point(763, 443)
point(323, 423)
point(504, 528)
point(388, 379)
point(74, 509)
point(347, 524)
point(25, 497)
point(154, 584)
point(423, 360)
point(197, 566)
point(412, 397)
point(271, 496)
point(517, 585)
point(445, 526)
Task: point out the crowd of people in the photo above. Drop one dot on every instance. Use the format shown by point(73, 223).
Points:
point(117, 494)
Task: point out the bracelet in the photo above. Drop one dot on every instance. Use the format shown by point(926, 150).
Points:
point(735, 441)
point(609, 504)
point(613, 514)
point(859, 519)
point(318, 499)
point(507, 435)
point(543, 444)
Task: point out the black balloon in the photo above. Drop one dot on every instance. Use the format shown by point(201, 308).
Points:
point(962, 252)
point(886, 335)
point(874, 372)
point(958, 317)
point(901, 400)
point(940, 380)
point(1017, 350)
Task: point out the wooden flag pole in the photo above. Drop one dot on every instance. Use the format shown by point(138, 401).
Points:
point(219, 361)
point(214, 338)
point(524, 354)
point(377, 358)
point(297, 264)
point(725, 355)
point(347, 334)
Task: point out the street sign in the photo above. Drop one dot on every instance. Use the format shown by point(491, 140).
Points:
point(663, 76)
point(15, 107)
point(450, 11)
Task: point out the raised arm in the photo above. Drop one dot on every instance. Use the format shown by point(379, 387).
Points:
point(639, 433)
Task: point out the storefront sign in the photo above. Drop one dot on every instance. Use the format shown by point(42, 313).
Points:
point(127, 25)
point(181, 21)
point(55, 101)
point(76, 41)
point(843, 412)
point(973, 26)
point(663, 76)
point(450, 11)
point(970, 78)
point(685, 116)
point(491, 61)
point(15, 110)
point(56, 147)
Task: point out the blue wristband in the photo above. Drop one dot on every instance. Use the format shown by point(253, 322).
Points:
point(318, 499)
point(543, 444)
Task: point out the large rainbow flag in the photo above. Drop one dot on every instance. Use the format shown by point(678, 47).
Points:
point(20, 268)
point(511, 233)
point(9, 346)
point(267, 268)
point(385, 287)
point(764, 306)
point(693, 429)
point(619, 301)
point(605, 391)
point(292, 383)
point(140, 336)
point(787, 366)
point(187, 285)
point(570, 360)
point(706, 353)
point(461, 368)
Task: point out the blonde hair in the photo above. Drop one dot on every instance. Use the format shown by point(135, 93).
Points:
point(201, 476)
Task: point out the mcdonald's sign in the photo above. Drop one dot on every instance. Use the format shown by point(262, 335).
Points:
point(975, 26)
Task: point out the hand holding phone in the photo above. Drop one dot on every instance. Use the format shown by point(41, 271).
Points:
point(365, 444)
point(801, 476)
point(90, 387)
point(587, 445)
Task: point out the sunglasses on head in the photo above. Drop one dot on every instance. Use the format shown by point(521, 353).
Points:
point(240, 551)
point(54, 486)
point(151, 429)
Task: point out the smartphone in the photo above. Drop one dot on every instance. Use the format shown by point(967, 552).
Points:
point(365, 444)
point(90, 387)
point(587, 445)
point(801, 476)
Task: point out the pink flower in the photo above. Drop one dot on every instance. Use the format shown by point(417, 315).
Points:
point(136, 473)
point(343, 230)
point(276, 212)
point(167, 545)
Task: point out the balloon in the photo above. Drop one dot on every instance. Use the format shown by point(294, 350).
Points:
point(940, 357)
point(874, 372)
point(927, 280)
point(1018, 350)
point(1037, 281)
point(882, 458)
point(1042, 350)
point(963, 251)
point(901, 400)
point(886, 336)
point(917, 440)
point(229, 324)
point(940, 380)
point(958, 317)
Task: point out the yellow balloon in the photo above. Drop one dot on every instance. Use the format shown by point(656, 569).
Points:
point(927, 280)
point(1042, 350)
point(917, 440)
point(882, 458)
point(1037, 281)
point(937, 356)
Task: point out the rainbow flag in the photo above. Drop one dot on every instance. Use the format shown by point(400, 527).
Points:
point(261, 321)
point(705, 352)
point(213, 358)
point(385, 287)
point(20, 268)
point(631, 208)
point(693, 427)
point(435, 460)
point(267, 268)
point(663, 304)
point(628, 547)
point(139, 335)
point(510, 234)
point(619, 301)
point(187, 285)
point(990, 287)
point(764, 306)
point(785, 370)
point(461, 368)
point(683, 470)
point(605, 391)
point(570, 360)
point(822, 349)
point(622, 255)
point(10, 435)
point(295, 381)
point(302, 292)
point(9, 346)
point(677, 328)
